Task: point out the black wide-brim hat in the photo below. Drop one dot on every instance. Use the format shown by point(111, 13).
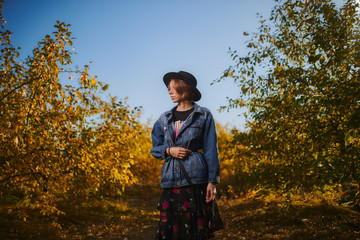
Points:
point(188, 78)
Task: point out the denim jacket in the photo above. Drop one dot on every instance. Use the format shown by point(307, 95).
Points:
point(197, 134)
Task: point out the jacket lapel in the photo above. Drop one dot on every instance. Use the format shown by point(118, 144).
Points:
point(170, 126)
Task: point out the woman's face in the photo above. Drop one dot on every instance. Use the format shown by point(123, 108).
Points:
point(175, 96)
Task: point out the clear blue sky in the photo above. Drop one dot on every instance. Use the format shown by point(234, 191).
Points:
point(133, 43)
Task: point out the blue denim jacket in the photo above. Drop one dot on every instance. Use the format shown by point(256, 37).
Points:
point(197, 134)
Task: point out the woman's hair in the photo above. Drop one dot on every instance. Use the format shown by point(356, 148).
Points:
point(183, 89)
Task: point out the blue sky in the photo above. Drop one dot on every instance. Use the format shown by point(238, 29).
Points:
point(133, 43)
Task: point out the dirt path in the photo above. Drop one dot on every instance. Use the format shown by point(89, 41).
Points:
point(255, 219)
point(142, 224)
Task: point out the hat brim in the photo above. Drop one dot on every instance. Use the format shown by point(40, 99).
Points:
point(171, 75)
point(174, 75)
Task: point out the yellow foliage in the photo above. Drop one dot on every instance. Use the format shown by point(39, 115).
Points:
point(61, 142)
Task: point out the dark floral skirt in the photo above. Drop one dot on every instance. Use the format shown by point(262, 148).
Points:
point(184, 214)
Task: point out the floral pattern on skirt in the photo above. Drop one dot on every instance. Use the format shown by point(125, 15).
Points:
point(184, 214)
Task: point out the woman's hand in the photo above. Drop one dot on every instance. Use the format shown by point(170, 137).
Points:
point(179, 152)
point(210, 192)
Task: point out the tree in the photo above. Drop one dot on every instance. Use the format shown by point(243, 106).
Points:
point(300, 84)
point(59, 140)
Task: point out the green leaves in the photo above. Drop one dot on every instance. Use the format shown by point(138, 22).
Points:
point(298, 80)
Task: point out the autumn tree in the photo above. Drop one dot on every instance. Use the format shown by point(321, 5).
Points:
point(300, 84)
point(59, 138)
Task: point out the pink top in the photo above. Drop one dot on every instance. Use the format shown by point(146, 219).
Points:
point(178, 125)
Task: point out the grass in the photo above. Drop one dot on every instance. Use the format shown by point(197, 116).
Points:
point(253, 218)
point(134, 217)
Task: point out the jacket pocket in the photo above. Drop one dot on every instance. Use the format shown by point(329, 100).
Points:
point(194, 132)
point(197, 167)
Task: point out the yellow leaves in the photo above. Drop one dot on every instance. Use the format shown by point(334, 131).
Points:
point(79, 95)
point(241, 102)
point(69, 99)
point(56, 225)
point(93, 81)
point(70, 110)
point(63, 92)
point(16, 140)
point(115, 173)
point(63, 140)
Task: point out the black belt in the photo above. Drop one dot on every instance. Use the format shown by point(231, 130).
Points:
point(183, 168)
point(184, 171)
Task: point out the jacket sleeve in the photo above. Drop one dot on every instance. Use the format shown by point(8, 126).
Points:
point(157, 136)
point(210, 150)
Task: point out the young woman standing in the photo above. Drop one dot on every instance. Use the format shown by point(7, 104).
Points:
point(185, 137)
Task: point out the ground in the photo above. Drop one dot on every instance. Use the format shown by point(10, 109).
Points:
point(249, 217)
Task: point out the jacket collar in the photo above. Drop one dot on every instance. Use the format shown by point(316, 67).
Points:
point(197, 109)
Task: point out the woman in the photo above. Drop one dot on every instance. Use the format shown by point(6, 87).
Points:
point(185, 138)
